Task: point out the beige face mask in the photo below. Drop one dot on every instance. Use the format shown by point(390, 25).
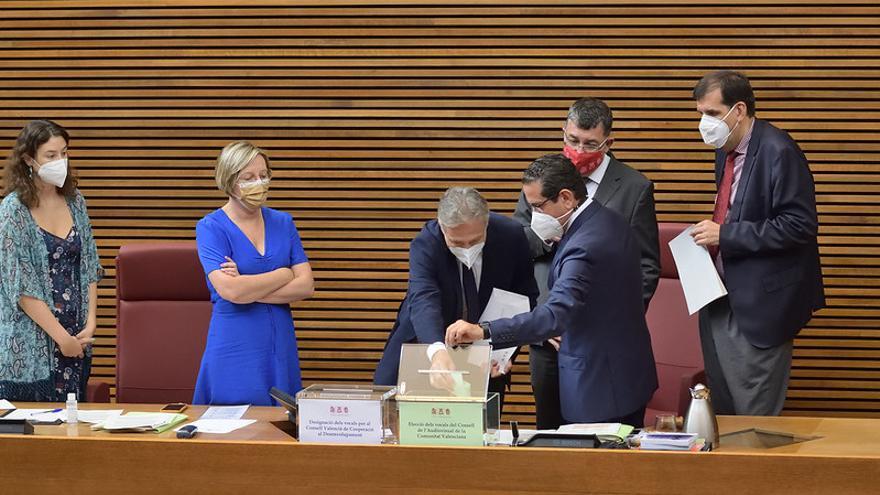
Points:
point(254, 193)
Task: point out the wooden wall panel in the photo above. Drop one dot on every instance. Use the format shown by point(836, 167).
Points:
point(370, 109)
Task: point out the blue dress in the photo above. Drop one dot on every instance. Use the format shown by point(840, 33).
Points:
point(250, 347)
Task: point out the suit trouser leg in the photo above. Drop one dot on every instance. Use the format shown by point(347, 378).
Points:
point(544, 368)
point(743, 379)
point(499, 385)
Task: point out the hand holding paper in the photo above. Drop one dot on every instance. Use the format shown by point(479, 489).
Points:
point(696, 271)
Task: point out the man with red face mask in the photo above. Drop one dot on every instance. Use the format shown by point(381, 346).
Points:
point(587, 141)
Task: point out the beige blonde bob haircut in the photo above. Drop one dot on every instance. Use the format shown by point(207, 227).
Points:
point(232, 160)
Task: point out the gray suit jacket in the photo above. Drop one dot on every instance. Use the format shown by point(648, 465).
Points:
point(625, 191)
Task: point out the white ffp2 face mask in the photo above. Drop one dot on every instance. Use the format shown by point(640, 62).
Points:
point(715, 131)
point(54, 172)
point(468, 256)
point(547, 227)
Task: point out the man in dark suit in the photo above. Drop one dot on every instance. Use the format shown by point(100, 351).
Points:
point(587, 141)
point(606, 365)
point(455, 262)
point(763, 238)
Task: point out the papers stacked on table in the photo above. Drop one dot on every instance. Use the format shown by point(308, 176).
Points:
point(668, 441)
point(141, 421)
point(618, 430)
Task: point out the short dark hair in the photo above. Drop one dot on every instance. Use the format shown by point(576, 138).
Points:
point(587, 113)
point(735, 87)
point(555, 172)
point(19, 175)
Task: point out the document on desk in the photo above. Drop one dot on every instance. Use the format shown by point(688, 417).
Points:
point(606, 429)
point(225, 412)
point(94, 415)
point(5, 404)
point(35, 414)
point(504, 304)
point(220, 426)
point(696, 271)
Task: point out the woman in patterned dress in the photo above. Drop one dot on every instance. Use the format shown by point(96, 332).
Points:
point(49, 271)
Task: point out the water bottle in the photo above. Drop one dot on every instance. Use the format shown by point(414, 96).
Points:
point(71, 408)
point(701, 417)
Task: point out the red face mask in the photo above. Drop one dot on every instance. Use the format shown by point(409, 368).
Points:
point(585, 161)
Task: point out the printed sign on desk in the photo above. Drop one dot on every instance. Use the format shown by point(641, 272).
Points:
point(441, 423)
point(340, 421)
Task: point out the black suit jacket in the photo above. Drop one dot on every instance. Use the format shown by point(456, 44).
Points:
point(768, 244)
point(434, 297)
point(630, 194)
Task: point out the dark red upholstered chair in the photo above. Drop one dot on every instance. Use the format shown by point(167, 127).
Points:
point(97, 391)
point(163, 311)
point(675, 336)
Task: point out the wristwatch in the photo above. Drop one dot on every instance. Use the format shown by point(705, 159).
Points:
point(486, 332)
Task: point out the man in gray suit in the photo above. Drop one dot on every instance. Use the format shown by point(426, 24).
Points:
point(587, 141)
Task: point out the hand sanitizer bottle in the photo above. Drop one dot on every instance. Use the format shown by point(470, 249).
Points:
point(71, 408)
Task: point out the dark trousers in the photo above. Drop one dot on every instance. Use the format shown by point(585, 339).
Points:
point(499, 385)
point(544, 368)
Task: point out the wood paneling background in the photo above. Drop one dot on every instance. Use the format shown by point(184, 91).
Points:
point(370, 109)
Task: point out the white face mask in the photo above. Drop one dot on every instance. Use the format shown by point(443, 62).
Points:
point(468, 256)
point(715, 131)
point(547, 227)
point(54, 172)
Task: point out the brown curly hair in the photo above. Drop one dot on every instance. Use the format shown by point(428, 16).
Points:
point(18, 175)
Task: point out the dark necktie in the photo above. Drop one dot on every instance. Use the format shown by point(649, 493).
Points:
point(471, 296)
point(722, 200)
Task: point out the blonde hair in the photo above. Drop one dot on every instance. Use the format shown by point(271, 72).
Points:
point(232, 160)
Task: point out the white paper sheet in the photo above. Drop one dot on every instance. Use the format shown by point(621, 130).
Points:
point(34, 414)
point(696, 271)
point(225, 412)
point(5, 404)
point(504, 304)
point(591, 428)
point(220, 426)
point(94, 415)
point(137, 421)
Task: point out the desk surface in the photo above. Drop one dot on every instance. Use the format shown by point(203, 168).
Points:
point(263, 456)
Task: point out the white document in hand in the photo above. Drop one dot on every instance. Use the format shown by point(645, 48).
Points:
point(504, 304)
point(696, 271)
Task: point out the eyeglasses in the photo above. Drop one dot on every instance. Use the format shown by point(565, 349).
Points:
point(589, 147)
point(541, 204)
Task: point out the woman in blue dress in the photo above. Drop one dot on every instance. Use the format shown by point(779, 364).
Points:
point(256, 267)
point(49, 272)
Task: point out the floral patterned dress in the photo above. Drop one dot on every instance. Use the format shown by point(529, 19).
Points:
point(30, 367)
point(71, 374)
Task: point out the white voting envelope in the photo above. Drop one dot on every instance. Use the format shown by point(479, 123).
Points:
point(696, 271)
point(504, 304)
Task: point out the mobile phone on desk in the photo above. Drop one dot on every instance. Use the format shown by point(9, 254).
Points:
point(175, 407)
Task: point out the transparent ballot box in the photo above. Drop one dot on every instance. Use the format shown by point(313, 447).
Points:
point(346, 413)
point(441, 400)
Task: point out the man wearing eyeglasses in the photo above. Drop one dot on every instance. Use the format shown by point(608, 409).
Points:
point(607, 372)
point(587, 140)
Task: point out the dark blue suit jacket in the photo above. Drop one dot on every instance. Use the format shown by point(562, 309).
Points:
point(768, 245)
point(606, 365)
point(434, 297)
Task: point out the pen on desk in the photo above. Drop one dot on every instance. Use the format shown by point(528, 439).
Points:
point(53, 411)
